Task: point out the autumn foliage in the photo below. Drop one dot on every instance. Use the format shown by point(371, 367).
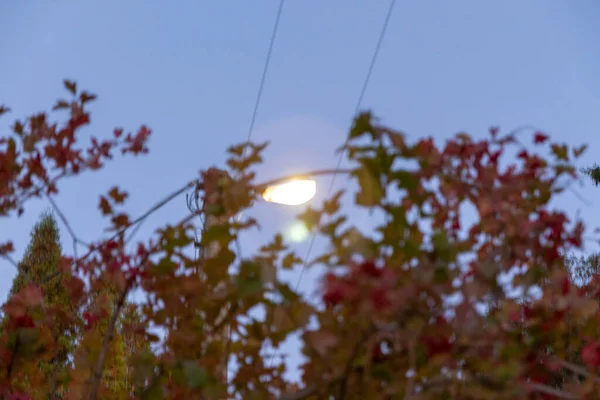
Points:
point(413, 309)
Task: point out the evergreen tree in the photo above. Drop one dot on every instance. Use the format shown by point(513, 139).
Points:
point(40, 260)
point(581, 271)
point(593, 173)
point(114, 376)
point(134, 343)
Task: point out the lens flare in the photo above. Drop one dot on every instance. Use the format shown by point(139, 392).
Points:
point(296, 233)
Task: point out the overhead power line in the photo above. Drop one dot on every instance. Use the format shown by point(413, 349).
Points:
point(356, 110)
point(358, 105)
point(265, 69)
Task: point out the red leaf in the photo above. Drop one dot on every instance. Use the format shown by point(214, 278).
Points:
point(118, 197)
point(539, 138)
point(321, 341)
point(24, 321)
point(590, 355)
point(31, 295)
point(565, 285)
point(437, 345)
point(6, 248)
point(337, 290)
point(70, 86)
point(380, 299)
point(370, 269)
point(105, 206)
point(75, 289)
point(120, 220)
point(522, 154)
point(90, 319)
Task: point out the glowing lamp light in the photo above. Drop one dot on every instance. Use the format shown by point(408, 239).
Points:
point(291, 193)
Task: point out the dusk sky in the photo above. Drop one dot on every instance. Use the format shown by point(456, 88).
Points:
point(190, 70)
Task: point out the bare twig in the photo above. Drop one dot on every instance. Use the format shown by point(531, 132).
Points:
point(559, 394)
point(53, 378)
point(76, 240)
point(413, 366)
point(308, 391)
point(349, 364)
point(13, 357)
point(153, 209)
point(11, 260)
point(157, 206)
point(576, 369)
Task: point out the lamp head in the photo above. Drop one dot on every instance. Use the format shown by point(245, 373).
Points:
point(291, 193)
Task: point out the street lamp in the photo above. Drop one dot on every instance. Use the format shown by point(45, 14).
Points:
point(291, 193)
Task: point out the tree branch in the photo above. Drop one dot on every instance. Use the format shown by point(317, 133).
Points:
point(53, 378)
point(576, 369)
point(309, 390)
point(413, 367)
point(11, 364)
point(264, 185)
point(154, 208)
point(349, 366)
point(97, 375)
point(560, 394)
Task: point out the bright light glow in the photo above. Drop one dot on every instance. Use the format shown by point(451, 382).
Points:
point(296, 233)
point(291, 193)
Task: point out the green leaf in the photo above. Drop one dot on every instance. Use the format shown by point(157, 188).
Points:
point(290, 260)
point(384, 159)
point(286, 292)
point(164, 266)
point(332, 205)
point(421, 355)
point(397, 139)
point(275, 246)
point(249, 282)
point(331, 228)
point(363, 124)
point(405, 180)
point(578, 151)
point(259, 147)
point(310, 217)
point(217, 233)
point(560, 151)
point(196, 377)
point(353, 151)
point(381, 372)
point(440, 275)
point(237, 150)
point(371, 191)
point(153, 392)
point(301, 312)
point(441, 245)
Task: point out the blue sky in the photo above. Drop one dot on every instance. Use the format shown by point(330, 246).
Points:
point(190, 70)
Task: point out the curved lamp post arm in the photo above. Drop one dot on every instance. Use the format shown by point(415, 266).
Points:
point(307, 175)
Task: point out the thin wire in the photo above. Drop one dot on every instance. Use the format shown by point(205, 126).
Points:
point(358, 105)
point(337, 169)
point(265, 70)
point(250, 131)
